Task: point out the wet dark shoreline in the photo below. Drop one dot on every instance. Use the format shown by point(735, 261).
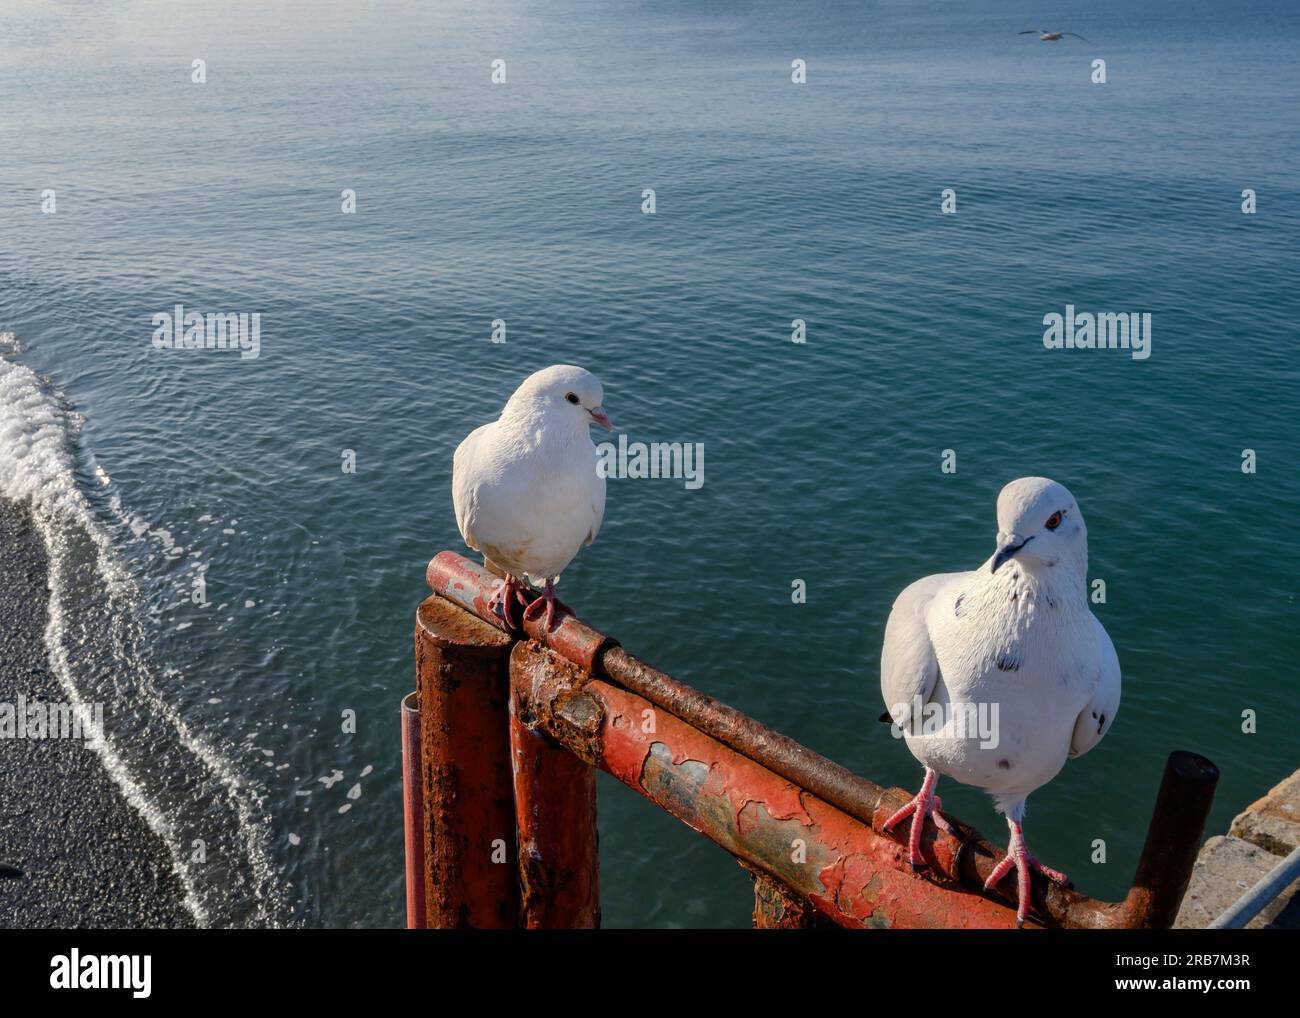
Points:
point(88, 859)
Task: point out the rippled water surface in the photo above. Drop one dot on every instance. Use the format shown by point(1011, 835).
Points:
point(522, 202)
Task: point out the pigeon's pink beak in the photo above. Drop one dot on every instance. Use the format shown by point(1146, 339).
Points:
point(600, 417)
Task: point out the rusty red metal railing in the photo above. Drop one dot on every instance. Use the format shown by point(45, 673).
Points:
point(513, 726)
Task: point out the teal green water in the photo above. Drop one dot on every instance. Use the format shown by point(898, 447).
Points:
point(522, 202)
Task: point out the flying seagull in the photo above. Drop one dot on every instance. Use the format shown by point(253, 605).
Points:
point(1013, 639)
point(526, 487)
point(1045, 36)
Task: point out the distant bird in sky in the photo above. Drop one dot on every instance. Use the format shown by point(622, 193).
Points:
point(1016, 640)
point(526, 487)
point(1045, 36)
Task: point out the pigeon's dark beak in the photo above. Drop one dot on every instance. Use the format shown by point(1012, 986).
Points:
point(600, 417)
point(1008, 551)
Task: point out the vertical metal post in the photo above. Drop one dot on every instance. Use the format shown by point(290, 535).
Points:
point(1173, 839)
point(462, 676)
point(413, 812)
point(555, 814)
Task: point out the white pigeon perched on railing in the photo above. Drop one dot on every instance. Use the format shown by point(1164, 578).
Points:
point(526, 487)
point(1016, 640)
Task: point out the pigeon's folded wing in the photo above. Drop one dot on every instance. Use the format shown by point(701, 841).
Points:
point(597, 508)
point(908, 667)
point(1094, 720)
point(464, 484)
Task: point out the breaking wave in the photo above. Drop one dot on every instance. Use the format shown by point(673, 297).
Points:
point(208, 814)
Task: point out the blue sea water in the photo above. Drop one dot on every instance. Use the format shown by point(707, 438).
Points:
point(522, 202)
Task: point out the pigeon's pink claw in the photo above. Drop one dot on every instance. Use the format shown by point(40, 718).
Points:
point(1018, 857)
point(503, 598)
point(551, 602)
point(924, 804)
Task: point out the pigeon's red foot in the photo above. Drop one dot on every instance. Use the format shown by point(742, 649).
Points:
point(552, 605)
point(924, 804)
point(1018, 857)
point(507, 592)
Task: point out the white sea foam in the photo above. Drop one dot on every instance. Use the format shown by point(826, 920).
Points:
point(38, 467)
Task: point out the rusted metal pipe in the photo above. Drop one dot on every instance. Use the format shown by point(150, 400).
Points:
point(555, 814)
point(413, 812)
point(462, 582)
point(462, 675)
point(1173, 840)
point(966, 857)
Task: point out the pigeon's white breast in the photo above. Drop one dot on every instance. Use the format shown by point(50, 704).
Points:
point(1002, 641)
point(529, 509)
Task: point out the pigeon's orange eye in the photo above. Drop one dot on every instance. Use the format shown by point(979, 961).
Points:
point(1054, 520)
point(572, 398)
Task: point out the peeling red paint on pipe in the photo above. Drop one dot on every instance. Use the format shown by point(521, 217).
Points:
point(778, 908)
point(844, 869)
point(462, 582)
point(555, 813)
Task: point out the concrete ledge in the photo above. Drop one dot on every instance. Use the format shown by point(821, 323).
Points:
point(1225, 870)
point(1260, 837)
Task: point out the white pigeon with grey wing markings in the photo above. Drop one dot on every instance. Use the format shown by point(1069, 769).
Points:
point(526, 488)
point(1016, 633)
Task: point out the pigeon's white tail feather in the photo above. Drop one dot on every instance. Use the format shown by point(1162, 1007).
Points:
point(1011, 806)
